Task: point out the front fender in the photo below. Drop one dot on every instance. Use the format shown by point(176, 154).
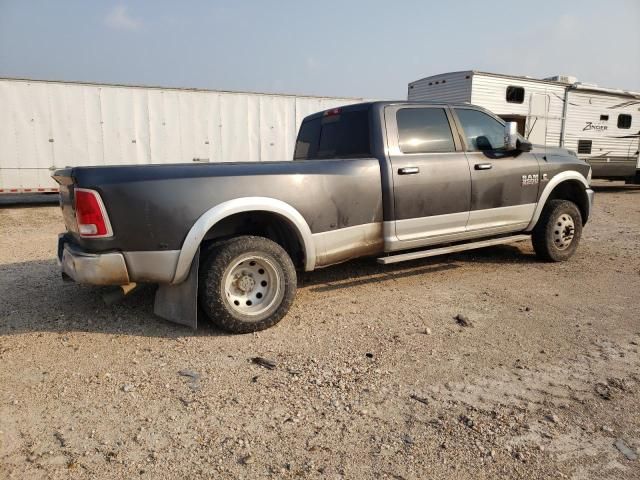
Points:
point(548, 189)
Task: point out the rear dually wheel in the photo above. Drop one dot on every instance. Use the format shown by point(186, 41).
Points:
point(247, 284)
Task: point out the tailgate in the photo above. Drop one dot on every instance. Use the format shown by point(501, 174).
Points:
point(65, 179)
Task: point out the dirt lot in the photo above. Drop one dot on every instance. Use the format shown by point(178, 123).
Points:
point(373, 377)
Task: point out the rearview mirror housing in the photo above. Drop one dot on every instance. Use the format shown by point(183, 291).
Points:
point(524, 146)
point(513, 141)
point(511, 136)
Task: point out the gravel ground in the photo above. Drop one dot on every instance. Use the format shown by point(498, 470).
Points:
point(373, 376)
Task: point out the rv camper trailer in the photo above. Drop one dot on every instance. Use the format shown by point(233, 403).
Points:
point(601, 125)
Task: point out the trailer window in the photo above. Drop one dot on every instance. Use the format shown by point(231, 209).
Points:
point(339, 135)
point(424, 130)
point(584, 146)
point(624, 121)
point(515, 94)
point(604, 118)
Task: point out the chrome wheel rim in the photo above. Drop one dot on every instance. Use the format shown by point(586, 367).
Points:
point(252, 285)
point(563, 231)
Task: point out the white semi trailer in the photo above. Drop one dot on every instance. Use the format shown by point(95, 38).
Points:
point(46, 125)
point(602, 125)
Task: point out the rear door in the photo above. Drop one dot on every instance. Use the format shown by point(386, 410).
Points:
point(431, 177)
point(504, 185)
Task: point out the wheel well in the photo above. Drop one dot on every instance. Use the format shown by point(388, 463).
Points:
point(573, 191)
point(262, 224)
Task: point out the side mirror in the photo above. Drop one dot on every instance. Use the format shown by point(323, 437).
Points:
point(524, 146)
point(483, 143)
point(511, 136)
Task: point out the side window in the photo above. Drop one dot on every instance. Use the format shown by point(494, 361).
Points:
point(307, 142)
point(624, 121)
point(424, 130)
point(345, 135)
point(482, 131)
point(515, 94)
point(336, 134)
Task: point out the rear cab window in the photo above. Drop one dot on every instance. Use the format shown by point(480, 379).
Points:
point(337, 133)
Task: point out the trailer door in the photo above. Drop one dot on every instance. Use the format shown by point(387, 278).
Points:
point(536, 129)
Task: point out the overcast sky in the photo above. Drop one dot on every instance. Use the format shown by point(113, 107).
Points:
point(325, 47)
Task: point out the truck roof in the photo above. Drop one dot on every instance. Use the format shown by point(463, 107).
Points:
point(382, 103)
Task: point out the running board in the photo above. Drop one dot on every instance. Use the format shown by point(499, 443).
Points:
point(403, 257)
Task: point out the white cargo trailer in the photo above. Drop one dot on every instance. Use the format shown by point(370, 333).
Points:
point(601, 125)
point(46, 125)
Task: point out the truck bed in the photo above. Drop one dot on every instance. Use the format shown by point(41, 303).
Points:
point(156, 205)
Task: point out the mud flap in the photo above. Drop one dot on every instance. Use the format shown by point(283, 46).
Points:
point(179, 303)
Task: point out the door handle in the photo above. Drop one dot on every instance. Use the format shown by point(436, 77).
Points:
point(483, 166)
point(408, 171)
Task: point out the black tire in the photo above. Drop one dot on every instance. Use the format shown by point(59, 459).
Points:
point(247, 284)
point(557, 234)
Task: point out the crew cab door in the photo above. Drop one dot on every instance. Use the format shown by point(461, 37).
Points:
point(431, 177)
point(504, 185)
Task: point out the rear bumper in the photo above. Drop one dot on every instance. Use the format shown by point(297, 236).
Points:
point(96, 269)
point(115, 267)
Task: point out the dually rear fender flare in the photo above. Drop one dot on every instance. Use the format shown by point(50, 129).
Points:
point(239, 205)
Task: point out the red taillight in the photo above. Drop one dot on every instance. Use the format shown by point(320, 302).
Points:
point(90, 214)
point(333, 112)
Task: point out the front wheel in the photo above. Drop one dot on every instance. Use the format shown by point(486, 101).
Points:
point(247, 284)
point(556, 236)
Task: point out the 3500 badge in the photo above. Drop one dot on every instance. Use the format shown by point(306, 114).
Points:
point(530, 179)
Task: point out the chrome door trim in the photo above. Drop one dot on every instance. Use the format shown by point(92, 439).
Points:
point(481, 223)
point(392, 245)
point(432, 226)
point(501, 216)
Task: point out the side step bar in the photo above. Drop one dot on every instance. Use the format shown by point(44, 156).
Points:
point(432, 252)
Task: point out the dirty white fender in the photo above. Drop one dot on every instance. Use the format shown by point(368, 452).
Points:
point(247, 204)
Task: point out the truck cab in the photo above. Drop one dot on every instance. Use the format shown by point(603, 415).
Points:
point(446, 173)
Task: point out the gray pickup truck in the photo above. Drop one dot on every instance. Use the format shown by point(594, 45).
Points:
point(393, 180)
